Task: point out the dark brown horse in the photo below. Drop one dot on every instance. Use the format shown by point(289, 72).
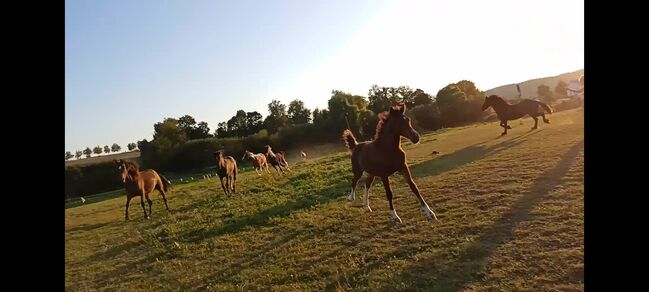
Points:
point(507, 112)
point(226, 167)
point(383, 156)
point(258, 161)
point(141, 183)
point(277, 160)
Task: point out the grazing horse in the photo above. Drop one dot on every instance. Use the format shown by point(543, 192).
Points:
point(277, 160)
point(226, 168)
point(258, 161)
point(384, 156)
point(141, 183)
point(507, 112)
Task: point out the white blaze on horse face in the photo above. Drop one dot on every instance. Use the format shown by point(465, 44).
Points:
point(395, 218)
point(366, 200)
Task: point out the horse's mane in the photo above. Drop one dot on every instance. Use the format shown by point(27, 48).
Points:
point(379, 126)
point(131, 167)
point(498, 99)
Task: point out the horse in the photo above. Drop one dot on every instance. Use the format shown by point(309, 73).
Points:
point(258, 161)
point(226, 168)
point(384, 156)
point(303, 155)
point(141, 183)
point(277, 160)
point(507, 112)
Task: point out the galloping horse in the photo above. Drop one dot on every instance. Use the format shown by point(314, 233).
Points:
point(258, 161)
point(141, 183)
point(277, 160)
point(383, 156)
point(226, 168)
point(507, 112)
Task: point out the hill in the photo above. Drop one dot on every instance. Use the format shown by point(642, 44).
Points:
point(529, 87)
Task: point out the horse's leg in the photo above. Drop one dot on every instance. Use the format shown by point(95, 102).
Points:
point(545, 120)
point(257, 171)
point(234, 182)
point(366, 197)
point(222, 185)
point(536, 122)
point(388, 192)
point(423, 205)
point(128, 201)
point(506, 127)
point(227, 183)
point(358, 173)
point(163, 194)
point(146, 216)
point(148, 200)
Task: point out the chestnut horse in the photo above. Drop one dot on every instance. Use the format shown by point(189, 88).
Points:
point(226, 168)
point(258, 161)
point(507, 112)
point(141, 183)
point(277, 160)
point(384, 156)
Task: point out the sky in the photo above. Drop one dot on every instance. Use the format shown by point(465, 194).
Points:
point(130, 64)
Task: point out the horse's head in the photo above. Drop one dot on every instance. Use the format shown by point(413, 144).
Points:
point(267, 149)
point(399, 123)
point(246, 154)
point(121, 166)
point(489, 101)
point(218, 154)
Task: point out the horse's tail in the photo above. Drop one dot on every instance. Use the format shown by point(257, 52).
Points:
point(546, 107)
point(350, 140)
point(165, 182)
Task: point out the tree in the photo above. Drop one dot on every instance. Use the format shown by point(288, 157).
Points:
point(561, 89)
point(222, 130)
point(344, 105)
point(254, 121)
point(115, 147)
point(277, 117)
point(451, 101)
point(68, 155)
point(378, 99)
point(202, 131)
point(168, 134)
point(381, 98)
point(87, 152)
point(97, 149)
point(419, 97)
point(298, 113)
point(545, 93)
point(78, 154)
point(131, 146)
point(425, 116)
point(474, 100)
point(106, 149)
point(320, 117)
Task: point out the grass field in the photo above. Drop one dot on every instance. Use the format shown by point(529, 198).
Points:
point(510, 209)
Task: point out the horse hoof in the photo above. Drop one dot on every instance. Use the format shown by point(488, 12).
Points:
point(396, 220)
point(147, 217)
point(503, 134)
point(509, 127)
point(126, 219)
point(368, 208)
